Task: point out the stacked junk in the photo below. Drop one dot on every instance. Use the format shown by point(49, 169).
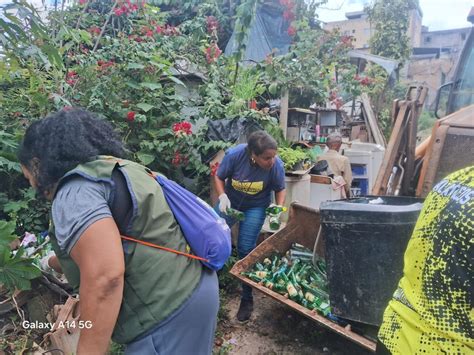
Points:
point(361, 240)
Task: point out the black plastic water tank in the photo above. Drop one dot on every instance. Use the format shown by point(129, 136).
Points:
point(365, 241)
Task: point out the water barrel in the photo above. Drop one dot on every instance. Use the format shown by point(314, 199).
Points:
point(365, 241)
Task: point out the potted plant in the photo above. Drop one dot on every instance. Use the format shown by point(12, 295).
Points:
point(293, 159)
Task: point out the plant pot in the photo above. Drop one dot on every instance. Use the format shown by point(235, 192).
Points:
point(298, 166)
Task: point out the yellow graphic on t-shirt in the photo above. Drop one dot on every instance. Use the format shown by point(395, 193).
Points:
point(251, 188)
point(431, 311)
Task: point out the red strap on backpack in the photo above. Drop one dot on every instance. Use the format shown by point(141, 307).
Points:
point(163, 248)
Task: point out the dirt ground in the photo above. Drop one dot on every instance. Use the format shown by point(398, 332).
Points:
point(275, 329)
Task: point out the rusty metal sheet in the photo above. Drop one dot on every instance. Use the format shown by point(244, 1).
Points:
point(303, 227)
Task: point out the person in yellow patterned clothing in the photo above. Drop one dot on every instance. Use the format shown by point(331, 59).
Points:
point(431, 311)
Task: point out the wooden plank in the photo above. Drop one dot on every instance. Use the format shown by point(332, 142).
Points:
point(415, 111)
point(391, 152)
point(432, 161)
point(372, 120)
point(320, 179)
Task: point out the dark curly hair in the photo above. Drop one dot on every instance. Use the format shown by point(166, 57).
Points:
point(59, 142)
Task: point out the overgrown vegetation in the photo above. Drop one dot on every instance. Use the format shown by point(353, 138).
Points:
point(156, 71)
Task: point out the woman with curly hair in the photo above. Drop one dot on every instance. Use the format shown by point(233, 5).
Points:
point(152, 300)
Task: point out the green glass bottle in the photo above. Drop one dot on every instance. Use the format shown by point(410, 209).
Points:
point(233, 213)
point(315, 291)
point(275, 210)
point(290, 288)
point(274, 222)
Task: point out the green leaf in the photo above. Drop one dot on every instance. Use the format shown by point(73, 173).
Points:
point(272, 89)
point(132, 85)
point(176, 80)
point(144, 106)
point(151, 86)
point(135, 66)
point(6, 234)
point(145, 158)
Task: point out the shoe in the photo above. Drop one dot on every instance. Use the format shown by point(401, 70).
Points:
point(245, 310)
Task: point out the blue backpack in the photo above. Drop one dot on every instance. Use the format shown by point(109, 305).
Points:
point(207, 234)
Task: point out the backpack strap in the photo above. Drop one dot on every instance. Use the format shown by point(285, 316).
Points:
point(121, 209)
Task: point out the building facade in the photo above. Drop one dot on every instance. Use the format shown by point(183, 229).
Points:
point(359, 27)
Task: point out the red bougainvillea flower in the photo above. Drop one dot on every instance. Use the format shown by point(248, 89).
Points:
point(167, 30)
point(214, 168)
point(94, 30)
point(103, 65)
point(253, 105)
point(71, 77)
point(289, 4)
point(291, 31)
point(83, 2)
point(212, 53)
point(288, 15)
point(182, 129)
point(130, 116)
point(176, 159)
point(212, 24)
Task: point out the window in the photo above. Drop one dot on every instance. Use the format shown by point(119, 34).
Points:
point(463, 36)
point(353, 31)
point(428, 39)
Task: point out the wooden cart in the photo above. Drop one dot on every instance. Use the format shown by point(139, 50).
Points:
point(303, 228)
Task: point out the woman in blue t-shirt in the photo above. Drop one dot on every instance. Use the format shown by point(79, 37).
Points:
point(244, 181)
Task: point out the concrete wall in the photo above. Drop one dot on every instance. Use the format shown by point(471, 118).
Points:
point(430, 71)
point(361, 29)
point(452, 39)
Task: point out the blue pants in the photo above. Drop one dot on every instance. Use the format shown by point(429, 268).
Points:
point(249, 230)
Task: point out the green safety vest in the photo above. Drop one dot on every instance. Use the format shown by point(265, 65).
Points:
point(156, 282)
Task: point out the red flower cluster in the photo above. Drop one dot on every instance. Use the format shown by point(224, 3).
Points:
point(363, 80)
point(82, 2)
point(212, 53)
point(179, 159)
point(147, 31)
point(182, 129)
point(291, 31)
point(103, 65)
point(94, 30)
point(212, 24)
point(346, 40)
point(167, 30)
point(126, 8)
point(71, 77)
point(214, 168)
point(289, 15)
point(130, 116)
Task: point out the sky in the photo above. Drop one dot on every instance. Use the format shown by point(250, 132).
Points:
point(437, 14)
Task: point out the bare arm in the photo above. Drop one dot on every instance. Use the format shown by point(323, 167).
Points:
point(219, 185)
point(99, 255)
point(280, 197)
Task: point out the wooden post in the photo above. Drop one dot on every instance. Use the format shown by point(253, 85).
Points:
point(284, 112)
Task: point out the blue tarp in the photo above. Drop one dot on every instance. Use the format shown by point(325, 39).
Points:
point(268, 32)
